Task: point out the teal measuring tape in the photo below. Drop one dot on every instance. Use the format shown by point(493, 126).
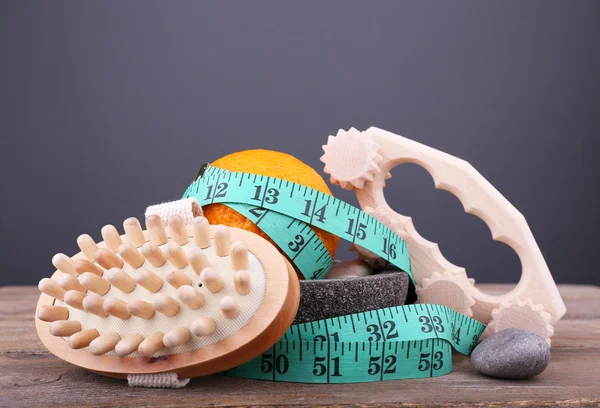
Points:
point(413, 341)
point(284, 211)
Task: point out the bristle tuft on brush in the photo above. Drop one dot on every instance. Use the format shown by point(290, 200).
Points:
point(104, 343)
point(201, 232)
point(131, 255)
point(177, 278)
point(151, 345)
point(64, 264)
point(107, 259)
point(128, 344)
point(178, 230)
point(229, 307)
point(50, 313)
point(133, 231)
point(176, 255)
point(83, 265)
point(94, 304)
point(121, 280)
point(82, 339)
point(64, 328)
point(222, 238)
point(239, 256)
point(74, 298)
point(111, 237)
point(51, 288)
point(177, 337)
point(198, 260)
point(242, 282)
point(69, 282)
point(117, 308)
point(141, 309)
point(88, 246)
point(156, 230)
point(212, 280)
point(204, 326)
point(191, 297)
point(154, 254)
point(94, 283)
point(148, 280)
point(165, 304)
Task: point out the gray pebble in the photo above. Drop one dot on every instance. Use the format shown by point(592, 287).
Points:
point(352, 267)
point(512, 353)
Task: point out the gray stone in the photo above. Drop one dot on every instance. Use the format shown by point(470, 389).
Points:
point(352, 267)
point(512, 353)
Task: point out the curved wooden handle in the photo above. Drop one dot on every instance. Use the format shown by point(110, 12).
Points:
point(479, 198)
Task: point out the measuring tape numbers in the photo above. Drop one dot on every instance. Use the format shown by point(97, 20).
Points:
point(413, 341)
point(285, 211)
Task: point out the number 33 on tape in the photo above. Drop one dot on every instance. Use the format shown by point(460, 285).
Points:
point(413, 341)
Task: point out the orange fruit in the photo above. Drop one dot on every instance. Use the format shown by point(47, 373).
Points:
point(271, 164)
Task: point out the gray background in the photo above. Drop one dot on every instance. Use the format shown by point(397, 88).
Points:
point(106, 107)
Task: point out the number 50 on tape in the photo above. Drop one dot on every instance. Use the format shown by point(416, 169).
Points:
point(413, 341)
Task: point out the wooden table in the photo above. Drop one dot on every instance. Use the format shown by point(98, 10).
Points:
point(31, 376)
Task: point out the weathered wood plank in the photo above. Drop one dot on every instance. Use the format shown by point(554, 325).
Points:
point(42, 380)
point(30, 376)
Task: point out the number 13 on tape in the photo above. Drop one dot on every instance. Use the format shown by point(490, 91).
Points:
point(283, 210)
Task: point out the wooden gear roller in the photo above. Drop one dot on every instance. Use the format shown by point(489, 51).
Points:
point(362, 161)
point(189, 300)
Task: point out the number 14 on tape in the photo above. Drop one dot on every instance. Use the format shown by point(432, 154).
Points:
point(303, 204)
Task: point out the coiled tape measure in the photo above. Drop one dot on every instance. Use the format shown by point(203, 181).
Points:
point(272, 203)
point(412, 341)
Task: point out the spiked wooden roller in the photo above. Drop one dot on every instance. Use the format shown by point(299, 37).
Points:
point(362, 161)
point(192, 300)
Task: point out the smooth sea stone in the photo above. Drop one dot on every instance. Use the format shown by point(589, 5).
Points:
point(353, 267)
point(512, 353)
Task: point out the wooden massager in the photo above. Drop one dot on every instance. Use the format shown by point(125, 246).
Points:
point(362, 161)
point(190, 299)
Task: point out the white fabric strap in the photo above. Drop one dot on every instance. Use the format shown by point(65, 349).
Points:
point(160, 380)
point(188, 208)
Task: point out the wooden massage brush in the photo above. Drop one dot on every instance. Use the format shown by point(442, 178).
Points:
point(189, 300)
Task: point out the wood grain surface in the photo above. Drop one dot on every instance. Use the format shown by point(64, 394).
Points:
point(32, 377)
